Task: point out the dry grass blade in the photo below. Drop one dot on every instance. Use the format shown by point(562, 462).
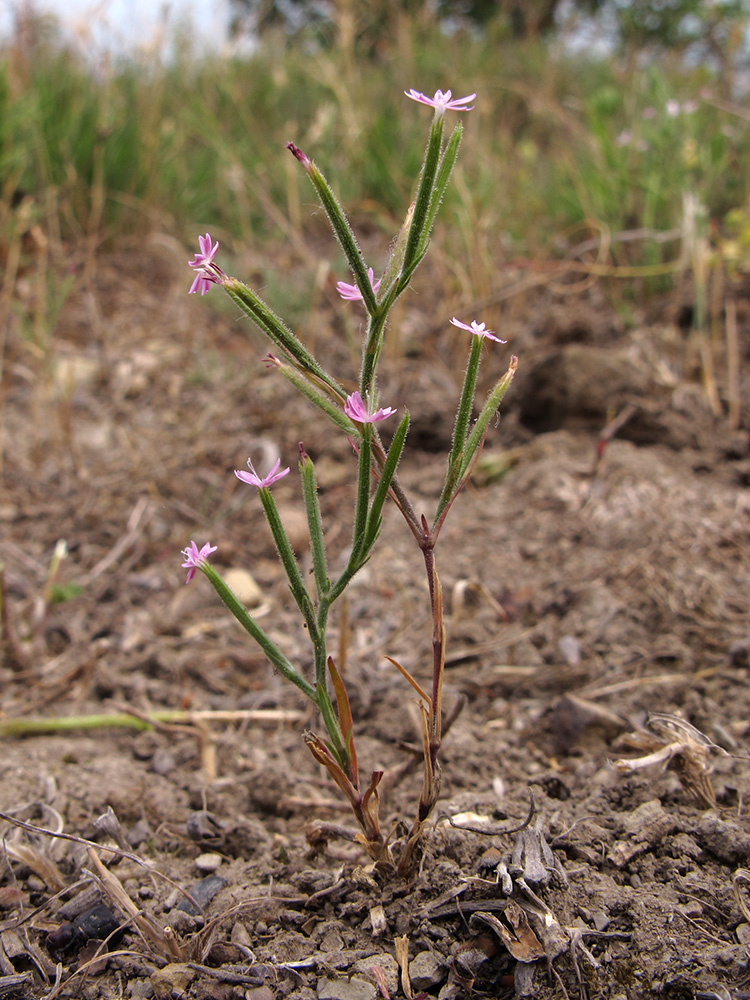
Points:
point(162, 943)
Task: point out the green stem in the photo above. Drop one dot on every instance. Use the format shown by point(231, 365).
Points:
point(371, 354)
point(279, 333)
point(272, 651)
point(344, 235)
point(463, 415)
point(363, 494)
point(424, 195)
point(475, 438)
point(289, 561)
point(447, 163)
point(315, 526)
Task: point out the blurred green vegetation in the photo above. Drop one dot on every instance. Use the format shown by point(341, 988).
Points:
point(564, 146)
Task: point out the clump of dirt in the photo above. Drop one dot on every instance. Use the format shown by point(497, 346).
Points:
point(593, 581)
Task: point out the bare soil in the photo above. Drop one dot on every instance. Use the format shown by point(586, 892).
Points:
point(597, 597)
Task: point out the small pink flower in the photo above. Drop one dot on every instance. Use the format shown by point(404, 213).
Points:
point(299, 155)
point(442, 102)
point(253, 479)
point(208, 272)
point(356, 410)
point(351, 293)
point(195, 557)
point(478, 329)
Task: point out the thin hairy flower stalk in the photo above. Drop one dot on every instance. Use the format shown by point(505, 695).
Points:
point(340, 226)
point(363, 492)
point(279, 333)
point(447, 163)
point(464, 461)
point(383, 488)
point(307, 384)
point(462, 417)
point(396, 491)
point(272, 651)
point(315, 527)
point(289, 562)
point(489, 409)
point(440, 518)
point(371, 353)
point(390, 287)
point(422, 200)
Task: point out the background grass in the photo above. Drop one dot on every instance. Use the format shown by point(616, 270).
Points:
point(561, 149)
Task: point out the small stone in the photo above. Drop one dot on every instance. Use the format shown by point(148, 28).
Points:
point(259, 993)
point(331, 941)
point(636, 881)
point(240, 936)
point(426, 970)
point(743, 934)
point(576, 722)
point(387, 965)
point(739, 654)
point(209, 862)
point(244, 587)
point(138, 833)
point(691, 909)
point(355, 988)
point(600, 920)
point(163, 761)
point(182, 922)
point(172, 979)
point(140, 989)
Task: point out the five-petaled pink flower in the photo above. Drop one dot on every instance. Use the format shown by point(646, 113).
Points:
point(253, 479)
point(195, 557)
point(208, 272)
point(478, 329)
point(355, 409)
point(351, 293)
point(442, 102)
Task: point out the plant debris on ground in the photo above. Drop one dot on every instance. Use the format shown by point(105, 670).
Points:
point(597, 591)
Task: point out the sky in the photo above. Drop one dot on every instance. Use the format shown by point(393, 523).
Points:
point(118, 26)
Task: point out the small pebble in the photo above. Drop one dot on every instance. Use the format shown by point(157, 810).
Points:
point(208, 862)
point(387, 965)
point(181, 922)
point(355, 988)
point(601, 920)
point(259, 993)
point(743, 934)
point(426, 970)
point(163, 761)
point(140, 989)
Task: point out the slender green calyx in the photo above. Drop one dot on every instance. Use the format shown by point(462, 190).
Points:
point(314, 524)
point(274, 328)
point(341, 228)
point(272, 651)
point(423, 199)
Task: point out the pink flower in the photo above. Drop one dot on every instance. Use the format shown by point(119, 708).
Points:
point(478, 329)
point(351, 293)
point(356, 410)
point(253, 479)
point(442, 102)
point(195, 557)
point(208, 272)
